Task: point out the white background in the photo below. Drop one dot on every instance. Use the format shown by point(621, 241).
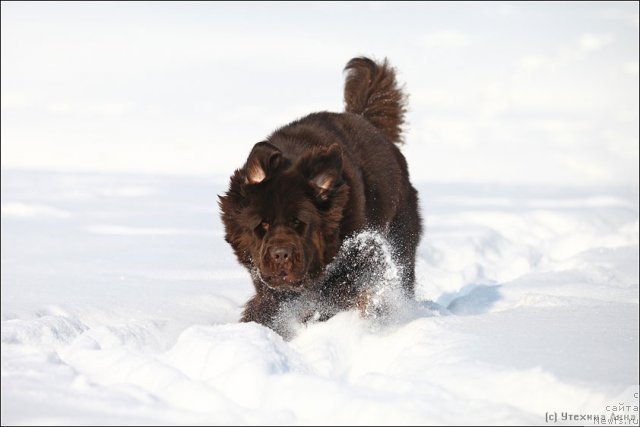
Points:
point(121, 123)
point(508, 92)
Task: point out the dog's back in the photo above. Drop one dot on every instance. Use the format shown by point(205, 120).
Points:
point(381, 196)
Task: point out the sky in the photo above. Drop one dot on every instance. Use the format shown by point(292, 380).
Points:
point(542, 93)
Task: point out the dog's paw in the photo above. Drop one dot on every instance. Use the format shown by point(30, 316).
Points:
point(370, 305)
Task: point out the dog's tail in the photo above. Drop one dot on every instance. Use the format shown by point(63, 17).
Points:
point(371, 90)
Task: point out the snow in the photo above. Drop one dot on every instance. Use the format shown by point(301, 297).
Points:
point(121, 123)
point(124, 310)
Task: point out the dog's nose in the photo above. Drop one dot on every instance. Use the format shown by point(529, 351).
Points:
point(280, 254)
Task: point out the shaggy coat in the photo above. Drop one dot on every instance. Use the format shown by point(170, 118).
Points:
point(312, 184)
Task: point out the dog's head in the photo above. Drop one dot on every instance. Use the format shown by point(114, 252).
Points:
point(282, 218)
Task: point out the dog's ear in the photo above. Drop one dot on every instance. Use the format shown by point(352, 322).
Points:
point(323, 170)
point(263, 160)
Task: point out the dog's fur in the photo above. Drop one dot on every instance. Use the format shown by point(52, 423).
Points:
point(315, 182)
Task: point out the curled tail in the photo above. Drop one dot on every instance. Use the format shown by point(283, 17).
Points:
point(371, 90)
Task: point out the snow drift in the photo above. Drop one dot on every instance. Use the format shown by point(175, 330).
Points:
point(120, 302)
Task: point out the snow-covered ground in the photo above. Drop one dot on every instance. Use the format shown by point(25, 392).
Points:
point(120, 302)
point(122, 121)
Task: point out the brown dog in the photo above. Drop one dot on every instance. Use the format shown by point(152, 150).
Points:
point(311, 185)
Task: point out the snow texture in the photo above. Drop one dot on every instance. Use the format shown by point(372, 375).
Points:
point(120, 301)
point(122, 121)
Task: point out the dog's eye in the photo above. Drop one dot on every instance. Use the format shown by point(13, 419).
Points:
point(262, 228)
point(297, 225)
